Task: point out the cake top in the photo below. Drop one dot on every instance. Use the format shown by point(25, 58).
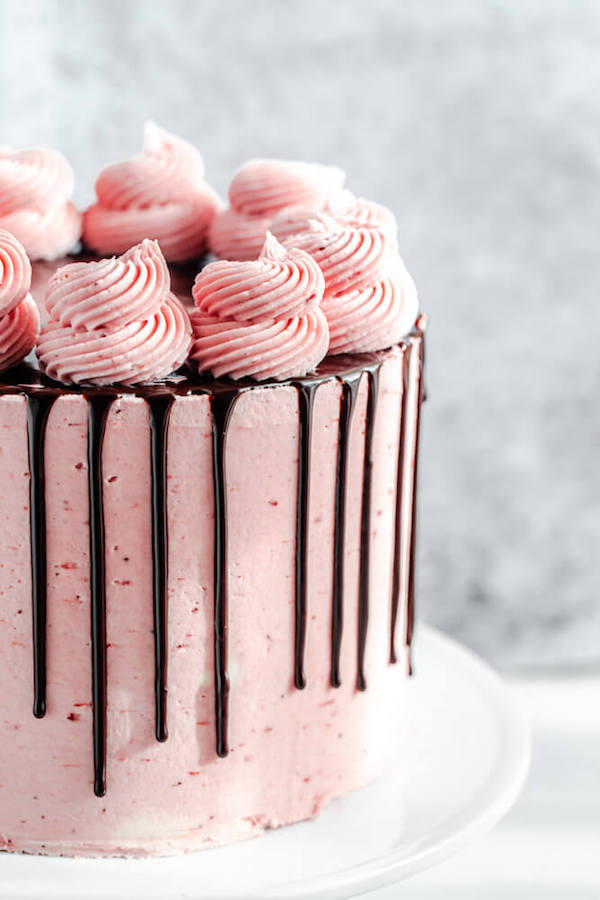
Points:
point(307, 269)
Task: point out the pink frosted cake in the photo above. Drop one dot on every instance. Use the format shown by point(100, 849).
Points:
point(207, 527)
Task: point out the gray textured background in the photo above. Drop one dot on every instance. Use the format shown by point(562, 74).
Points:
point(479, 124)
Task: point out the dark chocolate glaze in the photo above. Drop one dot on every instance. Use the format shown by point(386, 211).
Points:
point(98, 407)
point(38, 408)
point(348, 397)
point(306, 401)
point(41, 392)
point(222, 407)
point(159, 406)
point(410, 609)
point(400, 476)
point(365, 526)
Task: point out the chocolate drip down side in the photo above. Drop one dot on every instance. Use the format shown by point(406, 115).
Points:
point(159, 407)
point(365, 526)
point(98, 407)
point(306, 401)
point(350, 386)
point(401, 475)
point(38, 409)
point(410, 609)
point(222, 407)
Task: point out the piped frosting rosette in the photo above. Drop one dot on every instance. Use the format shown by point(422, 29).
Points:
point(370, 300)
point(35, 206)
point(159, 194)
point(260, 318)
point(261, 189)
point(19, 316)
point(343, 206)
point(114, 321)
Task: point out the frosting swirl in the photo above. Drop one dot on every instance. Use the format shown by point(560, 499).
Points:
point(15, 272)
point(260, 190)
point(114, 321)
point(350, 257)
point(159, 194)
point(344, 207)
point(235, 236)
point(110, 293)
point(261, 318)
point(19, 316)
point(264, 186)
point(35, 187)
point(375, 317)
point(370, 299)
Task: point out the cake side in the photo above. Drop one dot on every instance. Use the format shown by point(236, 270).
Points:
point(289, 749)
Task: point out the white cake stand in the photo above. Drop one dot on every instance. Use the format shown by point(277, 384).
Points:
point(462, 763)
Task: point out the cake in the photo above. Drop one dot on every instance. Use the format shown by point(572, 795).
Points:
point(206, 570)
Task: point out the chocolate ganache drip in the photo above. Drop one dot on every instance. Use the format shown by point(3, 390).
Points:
point(222, 407)
point(38, 409)
point(98, 407)
point(350, 386)
point(400, 479)
point(365, 527)
point(306, 400)
point(159, 406)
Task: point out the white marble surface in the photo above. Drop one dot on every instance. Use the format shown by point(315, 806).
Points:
point(547, 848)
point(479, 124)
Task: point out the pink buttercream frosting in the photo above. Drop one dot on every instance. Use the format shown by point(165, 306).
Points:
point(35, 190)
point(264, 186)
point(260, 190)
point(234, 236)
point(345, 208)
point(260, 318)
point(375, 317)
point(370, 299)
point(19, 316)
point(159, 194)
point(350, 257)
point(114, 321)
